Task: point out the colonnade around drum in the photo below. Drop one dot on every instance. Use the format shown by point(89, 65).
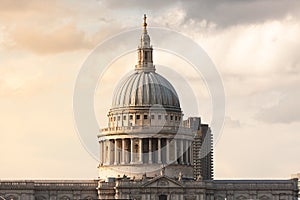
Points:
point(145, 151)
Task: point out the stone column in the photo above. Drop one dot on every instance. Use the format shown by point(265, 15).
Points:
point(175, 151)
point(181, 152)
point(116, 152)
point(127, 152)
point(123, 152)
point(103, 152)
point(167, 151)
point(109, 153)
point(140, 150)
point(101, 155)
point(187, 152)
point(150, 151)
point(131, 151)
point(159, 150)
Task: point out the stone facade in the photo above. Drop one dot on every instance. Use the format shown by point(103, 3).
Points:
point(161, 187)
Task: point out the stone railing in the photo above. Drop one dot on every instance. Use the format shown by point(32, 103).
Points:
point(145, 129)
point(106, 184)
point(130, 184)
point(8, 184)
point(254, 184)
point(44, 184)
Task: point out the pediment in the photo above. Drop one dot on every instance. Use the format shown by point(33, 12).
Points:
point(162, 181)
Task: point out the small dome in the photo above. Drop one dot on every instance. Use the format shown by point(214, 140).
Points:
point(145, 89)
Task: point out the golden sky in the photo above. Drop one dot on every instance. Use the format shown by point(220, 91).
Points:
point(254, 44)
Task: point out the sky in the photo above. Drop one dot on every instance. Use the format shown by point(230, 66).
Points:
point(254, 45)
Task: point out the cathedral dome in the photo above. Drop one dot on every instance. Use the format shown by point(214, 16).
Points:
point(145, 124)
point(145, 89)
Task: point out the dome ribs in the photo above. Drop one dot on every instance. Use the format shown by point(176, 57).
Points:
point(139, 93)
point(146, 89)
point(152, 91)
point(117, 96)
point(160, 90)
point(126, 95)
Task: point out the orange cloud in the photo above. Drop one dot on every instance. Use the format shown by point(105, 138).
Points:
point(65, 38)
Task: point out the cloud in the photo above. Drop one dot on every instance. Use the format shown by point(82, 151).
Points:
point(28, 12)
point(152, 5)
point(223, 13)
point(38, 40)
point(285, 111)
point(256, 58)
point(42, 27)
point(54, 26)
point(232, 12)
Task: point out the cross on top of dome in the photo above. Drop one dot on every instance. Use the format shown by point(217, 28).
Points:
point(145, 23)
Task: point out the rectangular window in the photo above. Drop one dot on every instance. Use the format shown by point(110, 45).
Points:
point(145, 116)
point(137, 116)
point(166, 117)
point(124, 117)
point(171, 117)
point(114, 118)
point(152, 116)
point(131, 117)
point(175, 118)
point(159, 117)
point(119, 118)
